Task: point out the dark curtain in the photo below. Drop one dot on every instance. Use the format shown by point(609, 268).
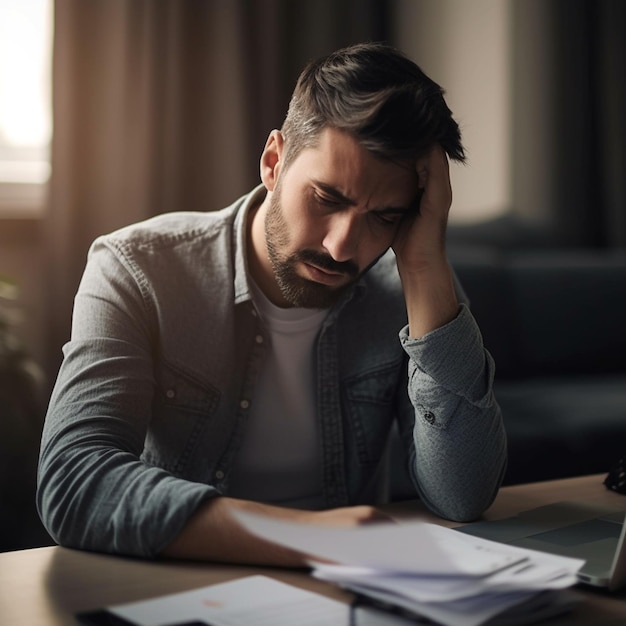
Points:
point(165, 105)
point(569, 134)
point(590, 46)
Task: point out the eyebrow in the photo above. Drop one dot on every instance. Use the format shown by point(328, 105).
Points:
point(343, 199)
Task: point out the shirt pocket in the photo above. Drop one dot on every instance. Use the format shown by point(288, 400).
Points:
point(370, 403)
point(182, 409)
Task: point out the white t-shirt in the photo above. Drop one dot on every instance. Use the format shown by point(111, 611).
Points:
point(279, 459)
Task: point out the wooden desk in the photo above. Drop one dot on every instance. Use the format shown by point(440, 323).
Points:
point(46, 586)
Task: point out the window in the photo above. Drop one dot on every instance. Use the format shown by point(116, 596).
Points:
point(25, 110)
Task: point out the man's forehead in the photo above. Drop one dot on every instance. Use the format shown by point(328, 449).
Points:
point(335, 147)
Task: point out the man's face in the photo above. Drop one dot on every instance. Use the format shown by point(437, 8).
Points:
point(332, 213)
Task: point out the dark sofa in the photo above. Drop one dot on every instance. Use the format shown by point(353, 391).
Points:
point(555, 322)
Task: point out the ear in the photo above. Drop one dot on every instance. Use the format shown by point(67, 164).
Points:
point(271, 159)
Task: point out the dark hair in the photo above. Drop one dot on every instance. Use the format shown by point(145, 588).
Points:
point(378, 95)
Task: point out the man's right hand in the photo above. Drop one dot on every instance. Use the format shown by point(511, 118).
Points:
point(212, 533)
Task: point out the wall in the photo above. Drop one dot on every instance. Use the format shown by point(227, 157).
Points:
point(466, 47)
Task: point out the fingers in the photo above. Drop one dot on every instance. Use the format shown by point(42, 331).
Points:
point(349, 516)
point(368, 514)
point(433, 171)
point(434, 164)
point(422, 173)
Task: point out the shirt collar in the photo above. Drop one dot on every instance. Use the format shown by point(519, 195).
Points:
point(242, 285)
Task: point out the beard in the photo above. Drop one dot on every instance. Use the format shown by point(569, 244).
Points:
point(299, 291)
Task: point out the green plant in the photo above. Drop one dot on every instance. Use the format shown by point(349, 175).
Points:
point(10, 346)
point(21, 417)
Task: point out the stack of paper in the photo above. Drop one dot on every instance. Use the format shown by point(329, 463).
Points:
point(448, 577)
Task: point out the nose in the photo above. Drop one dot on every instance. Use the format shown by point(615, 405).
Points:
point(342, 236)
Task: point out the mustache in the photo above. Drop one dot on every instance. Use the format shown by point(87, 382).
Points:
point(326, 262)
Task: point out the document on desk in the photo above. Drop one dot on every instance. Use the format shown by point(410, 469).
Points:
point(430, 571)
point(411, 547)
point(257, 600)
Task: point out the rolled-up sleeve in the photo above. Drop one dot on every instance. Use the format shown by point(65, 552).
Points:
point(458, 452)
point(94, 491)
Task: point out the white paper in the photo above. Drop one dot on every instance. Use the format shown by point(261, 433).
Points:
point(413, 547)
point(257, 600)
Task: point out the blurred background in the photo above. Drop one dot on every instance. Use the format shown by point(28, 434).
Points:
point(112, 111)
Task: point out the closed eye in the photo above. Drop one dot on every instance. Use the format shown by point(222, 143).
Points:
point(327, 200)
point(329, 196)
point(388, 218)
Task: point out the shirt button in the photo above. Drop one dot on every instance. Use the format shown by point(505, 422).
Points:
point(170, 393)
point(244, 404)
point(219, 474)
point(259, 339)
point(429, 416)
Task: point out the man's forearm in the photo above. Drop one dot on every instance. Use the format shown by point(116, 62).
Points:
point(431, 299)
point(459, 438)
point(213, 534)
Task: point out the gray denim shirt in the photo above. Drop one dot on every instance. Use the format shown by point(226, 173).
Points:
point(152, 398)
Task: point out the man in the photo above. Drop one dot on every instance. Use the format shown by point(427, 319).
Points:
point(250, 359)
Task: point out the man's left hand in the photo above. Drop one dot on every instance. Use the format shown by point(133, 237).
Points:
point(420, 241)
point(420, 249)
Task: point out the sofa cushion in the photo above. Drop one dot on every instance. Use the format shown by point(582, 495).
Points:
point(570, 312)
point(563, 426)
point(548, 312)
point(483, 274)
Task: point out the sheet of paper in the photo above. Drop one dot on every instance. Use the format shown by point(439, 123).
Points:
point(257, 600)
point(413, 547)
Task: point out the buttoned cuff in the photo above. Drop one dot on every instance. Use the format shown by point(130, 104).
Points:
point(453, 356)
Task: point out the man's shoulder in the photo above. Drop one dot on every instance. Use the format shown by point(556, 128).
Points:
point(383, 275)
point(174, 228)
point(380, 288)
point(376, 311)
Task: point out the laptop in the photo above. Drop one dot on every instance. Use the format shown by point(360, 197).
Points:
point(569, 528)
